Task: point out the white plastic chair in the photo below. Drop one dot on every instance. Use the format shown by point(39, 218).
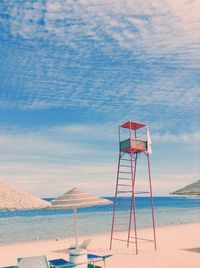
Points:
point(85, 243)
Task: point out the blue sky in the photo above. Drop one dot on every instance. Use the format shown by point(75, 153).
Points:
point(72, 71)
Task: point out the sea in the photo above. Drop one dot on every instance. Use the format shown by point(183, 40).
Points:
point(19, 226)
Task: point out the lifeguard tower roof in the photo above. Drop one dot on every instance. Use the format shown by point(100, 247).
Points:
point(134, 125)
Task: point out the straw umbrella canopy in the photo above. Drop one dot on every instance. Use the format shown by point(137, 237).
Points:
point(13, 199)
point(192, 190)
point(76, 198)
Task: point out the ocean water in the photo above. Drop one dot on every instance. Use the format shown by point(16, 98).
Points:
point(44, 224)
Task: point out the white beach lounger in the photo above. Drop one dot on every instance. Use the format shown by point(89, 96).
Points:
point(92, 258)
point(33, 262)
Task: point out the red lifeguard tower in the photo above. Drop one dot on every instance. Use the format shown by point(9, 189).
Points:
point(136, 144)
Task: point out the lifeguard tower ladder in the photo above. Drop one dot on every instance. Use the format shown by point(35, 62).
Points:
point(129, 151)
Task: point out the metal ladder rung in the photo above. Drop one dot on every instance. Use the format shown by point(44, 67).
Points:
point(124, 179)
point(120, 192)
point(122, 240)
point(120, 212)
point(122, 206)
point(125, 166)
point(124, 185)
point(125, 172)
point(123, 217)
point(143, 239)
point(125, 214)
point(119, 230)
point(142, 192)
point(124, 211)
point(127, 160)
point(121, 224)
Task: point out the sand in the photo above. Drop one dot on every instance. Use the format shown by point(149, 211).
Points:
point(178, 247)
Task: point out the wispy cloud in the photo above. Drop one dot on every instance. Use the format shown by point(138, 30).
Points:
point(166, 183)
point(54, 179)
point(169, 26)
point(184, 137)
point(103, 56)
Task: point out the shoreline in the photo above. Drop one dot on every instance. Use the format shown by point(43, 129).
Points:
point(178, 246)
point(83, 236)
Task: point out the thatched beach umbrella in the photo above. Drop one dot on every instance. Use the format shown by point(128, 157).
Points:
point(192, 190)
point(76, 198)
point(13, 199)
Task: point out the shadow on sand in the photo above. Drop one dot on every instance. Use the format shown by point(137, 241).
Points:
point(196, 250)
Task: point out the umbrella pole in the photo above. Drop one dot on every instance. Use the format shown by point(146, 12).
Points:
point(75, 228)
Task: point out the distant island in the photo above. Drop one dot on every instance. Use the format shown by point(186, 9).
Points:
point(191, 190)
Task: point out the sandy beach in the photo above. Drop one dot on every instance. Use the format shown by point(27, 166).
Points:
point(178, 246)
